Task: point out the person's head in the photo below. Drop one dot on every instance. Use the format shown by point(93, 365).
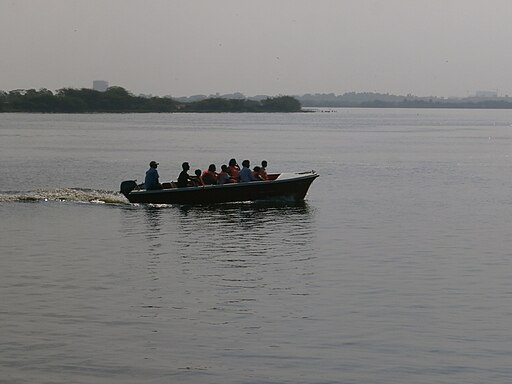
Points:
point(224, 168)
point(153, 164)
point(212, 168)
point(197, 172)
point(264, 163)
point(185, 166)
point(232, 162)
point(246, 163)
point(257, 169)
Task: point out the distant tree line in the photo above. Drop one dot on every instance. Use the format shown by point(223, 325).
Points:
point(385, 100)
point(377, 100)
point(461, 104)
point(118, 99)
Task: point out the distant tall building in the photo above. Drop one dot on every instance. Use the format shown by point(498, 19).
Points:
point(100, 85)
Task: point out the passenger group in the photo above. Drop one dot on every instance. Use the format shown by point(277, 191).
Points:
point(230, 173)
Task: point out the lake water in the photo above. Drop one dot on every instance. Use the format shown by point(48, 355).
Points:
point(396, 269)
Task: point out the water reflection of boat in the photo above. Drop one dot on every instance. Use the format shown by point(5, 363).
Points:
point(279, 187)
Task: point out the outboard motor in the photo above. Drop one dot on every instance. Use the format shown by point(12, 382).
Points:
point(128, 186)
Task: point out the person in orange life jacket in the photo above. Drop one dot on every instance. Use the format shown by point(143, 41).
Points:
point(234, 169)
point(210, 176)
point(263, 170)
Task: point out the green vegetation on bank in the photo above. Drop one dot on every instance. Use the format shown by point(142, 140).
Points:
point(119, 100)
point(381, 100)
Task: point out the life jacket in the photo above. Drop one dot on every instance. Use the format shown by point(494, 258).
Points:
point(209, 178)
point(233, 171)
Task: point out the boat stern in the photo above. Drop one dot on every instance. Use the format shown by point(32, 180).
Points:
point(127, 186)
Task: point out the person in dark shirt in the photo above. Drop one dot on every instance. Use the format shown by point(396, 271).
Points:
point(184, 178)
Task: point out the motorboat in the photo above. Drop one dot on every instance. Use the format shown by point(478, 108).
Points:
point(289, 187)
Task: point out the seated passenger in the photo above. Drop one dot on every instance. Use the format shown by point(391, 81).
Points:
point(198, 179)
point(246, 173)
point(152, 178)
point(184, 179)
point(224, 176)
point(210, 177)
point(263, 170)
point(256, 173)
point(234, 169)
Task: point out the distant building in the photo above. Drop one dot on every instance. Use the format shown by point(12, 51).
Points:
point(100, 85)
point(486, 94)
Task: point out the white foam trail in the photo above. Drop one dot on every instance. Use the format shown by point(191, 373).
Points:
point(65, 194)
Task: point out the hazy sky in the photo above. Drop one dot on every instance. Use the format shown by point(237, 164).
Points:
point(187, 47)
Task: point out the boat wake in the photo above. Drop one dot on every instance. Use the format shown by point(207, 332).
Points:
point(78, 195)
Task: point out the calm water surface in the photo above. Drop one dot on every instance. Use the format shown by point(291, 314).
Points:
point(396, 269)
